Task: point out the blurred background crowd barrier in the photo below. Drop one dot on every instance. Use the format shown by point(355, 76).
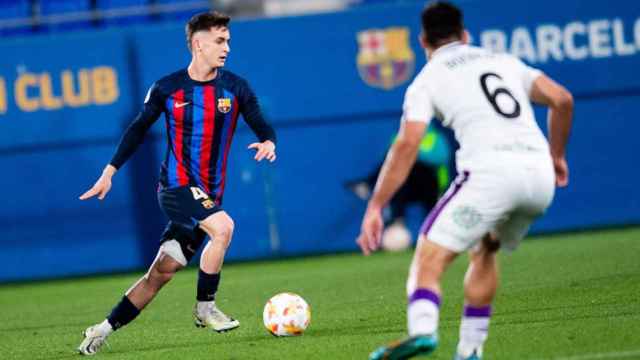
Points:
point(331, 83)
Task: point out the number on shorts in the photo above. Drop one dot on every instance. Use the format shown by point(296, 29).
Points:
point(198, 193)
point(493, 96)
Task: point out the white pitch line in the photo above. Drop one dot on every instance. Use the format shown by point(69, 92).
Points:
point(609, 355)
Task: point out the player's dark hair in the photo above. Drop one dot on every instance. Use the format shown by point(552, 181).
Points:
point(205, 21)
point(441, 23)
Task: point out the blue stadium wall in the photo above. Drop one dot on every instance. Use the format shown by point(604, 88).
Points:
point(66, 98)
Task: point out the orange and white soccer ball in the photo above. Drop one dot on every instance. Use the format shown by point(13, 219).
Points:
point(286, 314)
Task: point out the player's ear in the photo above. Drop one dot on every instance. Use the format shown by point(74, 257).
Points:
point(196, 46)
point(423, 39)
point(466, 37)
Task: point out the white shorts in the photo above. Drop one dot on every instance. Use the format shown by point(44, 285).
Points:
point(503, 201)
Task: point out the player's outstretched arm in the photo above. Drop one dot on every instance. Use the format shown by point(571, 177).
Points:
point(252, 115)
point(102, 186)
point(131, 139)
point(560, 102)
point(395, 170)
point(264, 150)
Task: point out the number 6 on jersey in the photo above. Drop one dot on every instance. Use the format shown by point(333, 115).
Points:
point(493, 96)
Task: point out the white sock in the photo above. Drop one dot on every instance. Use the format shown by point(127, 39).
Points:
point(422, 317)
point(423, 312)
point(105, 327)
point(473, 333)
point(202, 306)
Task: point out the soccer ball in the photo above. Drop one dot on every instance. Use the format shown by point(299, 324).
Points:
point(286, 314)
point(396, 238)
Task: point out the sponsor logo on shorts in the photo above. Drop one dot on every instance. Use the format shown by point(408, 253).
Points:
point(466, 216)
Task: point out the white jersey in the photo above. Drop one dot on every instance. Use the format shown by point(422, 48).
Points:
point(484, 98)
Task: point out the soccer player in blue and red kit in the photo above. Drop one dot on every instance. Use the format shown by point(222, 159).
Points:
point(201, 105)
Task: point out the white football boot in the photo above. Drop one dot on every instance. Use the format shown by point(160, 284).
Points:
point(94, 337)
point(206, 314)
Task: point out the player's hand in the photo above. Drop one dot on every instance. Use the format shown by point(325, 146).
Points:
point(102, 186)
point(265, 149)
point(371, 231)
point(562, 171)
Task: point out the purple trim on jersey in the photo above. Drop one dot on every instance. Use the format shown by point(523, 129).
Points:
point(425, 294)
point(470, 311)
point(172, 164)
point(197, 133)
point(453, 190)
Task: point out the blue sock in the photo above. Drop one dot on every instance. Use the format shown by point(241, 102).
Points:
point(123, 313)
point(207, 286)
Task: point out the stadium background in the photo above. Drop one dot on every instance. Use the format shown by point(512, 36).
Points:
point(332, 126)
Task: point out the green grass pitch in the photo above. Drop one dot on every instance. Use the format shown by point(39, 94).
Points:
point(569, 296)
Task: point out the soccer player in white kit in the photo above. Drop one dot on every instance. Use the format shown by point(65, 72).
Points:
point(507, 173)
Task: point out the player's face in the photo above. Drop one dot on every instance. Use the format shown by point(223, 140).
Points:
point(213, 46)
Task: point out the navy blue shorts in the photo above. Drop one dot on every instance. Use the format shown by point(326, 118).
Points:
point(185, 206)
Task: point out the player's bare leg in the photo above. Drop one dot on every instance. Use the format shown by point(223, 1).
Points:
point(136, 298)
point(480, 285)
point(429, 263)
point(219, 227)
point(481, 279)
point(431, 260)
point(160, 273)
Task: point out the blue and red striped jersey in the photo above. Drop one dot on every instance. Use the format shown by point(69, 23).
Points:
point(200, 119)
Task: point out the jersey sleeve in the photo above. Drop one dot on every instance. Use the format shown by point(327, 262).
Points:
point(417, 104)
point(250, 110)
point(134, 134)
point(527, 75)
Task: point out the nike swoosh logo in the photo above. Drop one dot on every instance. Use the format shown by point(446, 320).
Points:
point(179, 104)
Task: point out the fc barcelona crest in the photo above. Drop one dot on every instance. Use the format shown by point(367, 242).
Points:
point(385, 59)
point(224, 105)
